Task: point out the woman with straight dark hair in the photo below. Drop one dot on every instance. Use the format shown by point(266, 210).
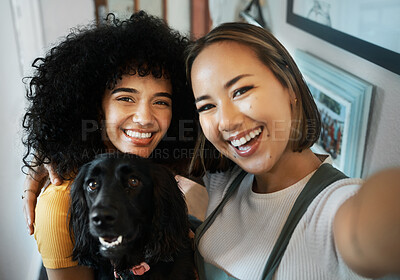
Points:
point(276, 209)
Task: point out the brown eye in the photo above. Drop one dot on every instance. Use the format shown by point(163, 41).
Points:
point(133, 182)
point(92, 185)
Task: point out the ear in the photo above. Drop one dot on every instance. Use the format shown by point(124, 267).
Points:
point(170, 221)
point(85, 246)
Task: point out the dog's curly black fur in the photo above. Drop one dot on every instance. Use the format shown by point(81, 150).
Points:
point(123, 195)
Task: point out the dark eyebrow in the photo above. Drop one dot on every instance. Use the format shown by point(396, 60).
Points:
point(164, 94)
point(234, 80)
point(227, 85)
point(201, 98)
point(132, 90)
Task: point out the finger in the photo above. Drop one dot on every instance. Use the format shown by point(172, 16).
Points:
point(32, 188)
point(27, 220)
point(34, 183)
point(29, 204)
point(191, 234)
point(55, 179)
point(29, 224)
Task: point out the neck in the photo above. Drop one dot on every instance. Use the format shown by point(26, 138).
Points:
point(290, 168)
point(134, 255)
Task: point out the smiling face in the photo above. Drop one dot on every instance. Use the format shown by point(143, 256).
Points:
point(243, 109)
point(137, 113)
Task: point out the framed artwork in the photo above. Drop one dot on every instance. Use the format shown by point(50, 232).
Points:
point(367, 28)
point(253, 14)
point(344, 102)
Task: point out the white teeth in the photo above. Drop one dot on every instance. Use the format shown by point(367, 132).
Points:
point(136, 134)
point(110, 244)
point(243, 140)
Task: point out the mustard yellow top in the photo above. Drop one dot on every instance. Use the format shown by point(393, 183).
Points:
point(51, 227)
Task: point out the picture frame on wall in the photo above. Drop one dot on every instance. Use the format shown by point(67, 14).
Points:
point(368, 29)
point(344, 102)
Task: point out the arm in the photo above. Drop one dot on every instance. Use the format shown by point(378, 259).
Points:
point(367, 226)
point(71, 273)
point(33, 184)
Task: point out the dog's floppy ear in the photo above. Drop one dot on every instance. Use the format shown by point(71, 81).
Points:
point(170, 221)
point(85, 245)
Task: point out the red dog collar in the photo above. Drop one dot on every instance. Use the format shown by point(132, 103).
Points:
point(140, 269)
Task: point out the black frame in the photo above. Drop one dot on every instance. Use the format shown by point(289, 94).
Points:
point(383, 57)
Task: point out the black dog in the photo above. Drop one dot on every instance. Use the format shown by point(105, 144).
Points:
point(130, 211)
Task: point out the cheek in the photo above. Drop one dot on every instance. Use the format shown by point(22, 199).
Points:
point(250, 104)
point(89, 198)
point(111, 122)
point(112, 119)
point(164, 120)
point(111, 115)
point(209, 128)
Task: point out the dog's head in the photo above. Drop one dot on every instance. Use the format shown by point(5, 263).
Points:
point(121, 204)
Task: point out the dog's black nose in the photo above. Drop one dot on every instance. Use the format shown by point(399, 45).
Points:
point(103, 217)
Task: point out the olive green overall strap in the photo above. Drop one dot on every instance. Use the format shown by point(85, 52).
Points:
point(325, 175)
point(210, 219)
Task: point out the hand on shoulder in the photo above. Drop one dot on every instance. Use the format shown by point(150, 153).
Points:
point(35, 180)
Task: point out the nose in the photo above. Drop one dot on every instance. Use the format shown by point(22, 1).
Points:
point(143, 115)
point(103, 217)
point(230, 117)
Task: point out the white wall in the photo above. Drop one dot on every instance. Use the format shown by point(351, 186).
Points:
point(19, 258)
point(178, 15)
point(17, 248)
point(382, 149)
point(60, 16)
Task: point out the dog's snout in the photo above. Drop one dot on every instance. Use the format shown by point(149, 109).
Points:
point(103, 217)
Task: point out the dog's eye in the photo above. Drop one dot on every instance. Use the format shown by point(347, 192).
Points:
point(92, 185)
point(133, 182)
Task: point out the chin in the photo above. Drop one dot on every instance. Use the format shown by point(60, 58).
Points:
point(141, 152)
point(255, 167)
point(113, 253)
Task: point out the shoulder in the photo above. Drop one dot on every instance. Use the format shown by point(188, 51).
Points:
point(319, 225)
point(219, 181)
point(217, 185)
point(321, 212)
point(54, 198)
point(326, 204)
point(339, 190)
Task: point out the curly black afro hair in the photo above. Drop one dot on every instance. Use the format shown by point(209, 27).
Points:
point(66, 90)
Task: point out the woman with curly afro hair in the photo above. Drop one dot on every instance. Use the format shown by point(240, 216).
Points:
point(119, 86)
